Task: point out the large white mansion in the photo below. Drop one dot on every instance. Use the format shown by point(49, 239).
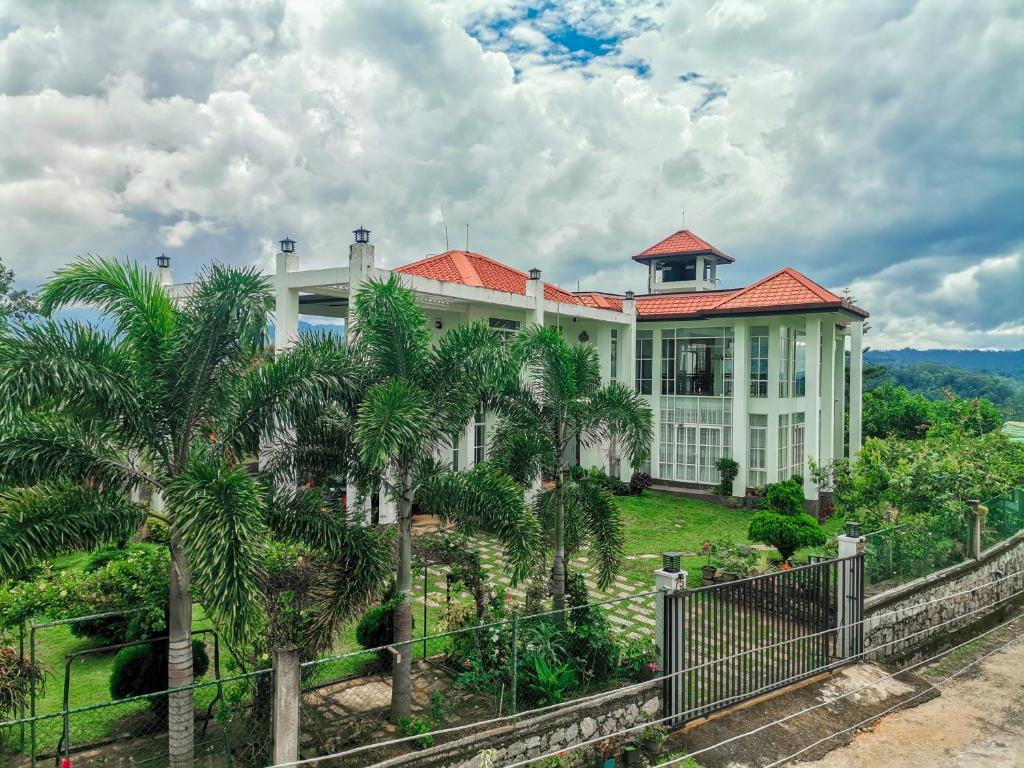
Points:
point(755, 373)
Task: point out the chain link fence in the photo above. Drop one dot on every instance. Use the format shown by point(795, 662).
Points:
point(903, 553)
point(474, 673)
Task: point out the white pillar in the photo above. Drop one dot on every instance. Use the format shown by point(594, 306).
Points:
point(286, 306)
point(775, 404)
point(856, 386)
point(839, 390)
point(656, 404)
point(360, 260)
point(849, 593)
point(698, 273)
point(535, 291)
point(285, 715)
point(627, 370)
point(164, 273)
point(826, 439)
point(812, 403)
point(670, 636)
point(740, 392)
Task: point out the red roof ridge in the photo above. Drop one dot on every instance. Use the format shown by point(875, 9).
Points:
point(466, 270)
point(682, 242)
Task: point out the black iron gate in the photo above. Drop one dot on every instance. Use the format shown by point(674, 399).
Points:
point(736, 640)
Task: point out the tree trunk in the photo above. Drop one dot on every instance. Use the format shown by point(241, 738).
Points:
point(181, 711)
point(401, 676)
point(558, 565)
point(613, 457)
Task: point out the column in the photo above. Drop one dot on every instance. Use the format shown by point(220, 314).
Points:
point(627, 372)
point(535, 291)
point(740, 391)
point(850, 593)
point(812, 403)
point(286, 305)
point(856, 386)
point(775, 405)
point(839, 390)
point(360, 260)
point(656, 404)
point(285, 714)
point(670, 633)
point(826, 439)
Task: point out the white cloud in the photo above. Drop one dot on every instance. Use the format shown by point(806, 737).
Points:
point(830, 137)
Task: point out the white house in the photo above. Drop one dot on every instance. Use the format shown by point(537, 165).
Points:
point(755, 373)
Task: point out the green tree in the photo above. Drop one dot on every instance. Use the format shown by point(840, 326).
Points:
point(560, 401)
point(416, 397)
point(14, 304)
point(783, 523)
point(171, 403)
point(893, 412)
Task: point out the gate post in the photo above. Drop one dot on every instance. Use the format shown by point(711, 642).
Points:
point(669, 631)
point(286, 705)
point(977, 519)
point(850, 593)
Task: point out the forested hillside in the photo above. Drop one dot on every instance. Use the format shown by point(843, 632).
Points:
point(1003, 362)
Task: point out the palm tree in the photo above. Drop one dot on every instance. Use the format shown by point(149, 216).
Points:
point(172, 400)
point(417, 396)
point(559, 402)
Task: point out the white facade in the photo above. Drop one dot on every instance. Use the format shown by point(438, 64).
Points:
point(765, 388)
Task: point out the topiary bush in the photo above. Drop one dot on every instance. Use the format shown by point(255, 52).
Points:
point(639, 482)
point(376, 628)
point(142, 669)
point(783, 523)
point(727, 470)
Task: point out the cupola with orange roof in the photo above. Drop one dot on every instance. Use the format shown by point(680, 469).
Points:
point(682, 263)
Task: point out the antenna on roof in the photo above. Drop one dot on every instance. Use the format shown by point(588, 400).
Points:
point(445, 222)
point(682, 215)
point(467, 235)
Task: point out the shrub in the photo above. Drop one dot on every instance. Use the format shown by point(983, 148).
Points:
point(142, 669)
point(414, 726)
point(157, 532)
point(786, 498)
point(639, 482)
point(17, 676)
point(549, 683)
point(377, 628)
point(593, 648)
point(787, 533)
point(611, 484)
point(639, 659)
point(728, 469)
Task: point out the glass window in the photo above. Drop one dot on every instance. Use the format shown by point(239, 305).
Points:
point(759, 362)
point(799, 364)
point(797, 444)
point(785, 357)
point(613, 363)
point(479, 436)
point(505, 327)
point(455, 454)
point(668, 363)
point(644, 361)
point(783, 452)
point(757, 450)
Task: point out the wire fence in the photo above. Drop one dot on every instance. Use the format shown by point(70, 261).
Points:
point(902, 553)
point(474, 673)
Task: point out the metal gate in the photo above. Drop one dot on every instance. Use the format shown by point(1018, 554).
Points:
point(736, 640)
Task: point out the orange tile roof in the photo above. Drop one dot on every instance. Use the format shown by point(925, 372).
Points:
point(786, 289)
point(681, 243)
point(600, 300)
point(477, 270)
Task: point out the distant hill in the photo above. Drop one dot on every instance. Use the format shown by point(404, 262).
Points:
point(1005, 363)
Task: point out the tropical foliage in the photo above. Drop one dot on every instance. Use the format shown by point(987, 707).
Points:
point(891, 411)
point(557, 403)
point(168, 405)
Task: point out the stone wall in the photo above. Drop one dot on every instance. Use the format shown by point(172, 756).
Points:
point(909, 608)
point(553, 731)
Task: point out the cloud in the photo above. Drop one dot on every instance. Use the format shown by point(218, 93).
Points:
point(852, 142)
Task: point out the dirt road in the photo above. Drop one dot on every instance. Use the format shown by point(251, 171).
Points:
point(978, 721)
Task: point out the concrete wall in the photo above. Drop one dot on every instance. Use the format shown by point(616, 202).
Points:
point(557, 730)
point(907, 609)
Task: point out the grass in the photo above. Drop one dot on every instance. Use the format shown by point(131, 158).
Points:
point(659, 522)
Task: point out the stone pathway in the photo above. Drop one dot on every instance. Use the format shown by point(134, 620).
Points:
point(632, 612)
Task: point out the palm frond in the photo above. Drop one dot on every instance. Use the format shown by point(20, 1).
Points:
point(52, 519)
point(483, 499)
point(619, 410)
point(468, 364)
point(217, 513)
point(393, 418)
point(45, 447)
point(596, 513)
point(391, 328)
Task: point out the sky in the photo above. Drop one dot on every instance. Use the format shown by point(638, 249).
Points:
point(875, 145)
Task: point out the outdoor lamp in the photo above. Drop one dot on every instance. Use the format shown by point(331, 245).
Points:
point(163, 261)
point(287, 245)
point(535, 274)
point(362, 234)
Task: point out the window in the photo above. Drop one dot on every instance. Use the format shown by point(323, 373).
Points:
point(710, 453)
point(797, 444)
point(455, 453)
point(479, 436)
point(783, 453)
point(759, 362)
point(668, 363)
point(613, 364)
point(757, 450)
point(785, 356)
point(644, 361)
point(505, 327)
point(799, 364)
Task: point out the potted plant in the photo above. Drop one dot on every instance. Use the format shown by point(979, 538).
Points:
point(632, 754)
point(651, 740)
point(708, 571)
point(604, 753)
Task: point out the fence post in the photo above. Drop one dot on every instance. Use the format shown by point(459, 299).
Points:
point(978, 514)
point(286, 705)
point(850, 592)
point(515, 664)
point(669, 632)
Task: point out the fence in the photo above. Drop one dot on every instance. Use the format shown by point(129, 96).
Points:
point(902, 553)
point(476, 673)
